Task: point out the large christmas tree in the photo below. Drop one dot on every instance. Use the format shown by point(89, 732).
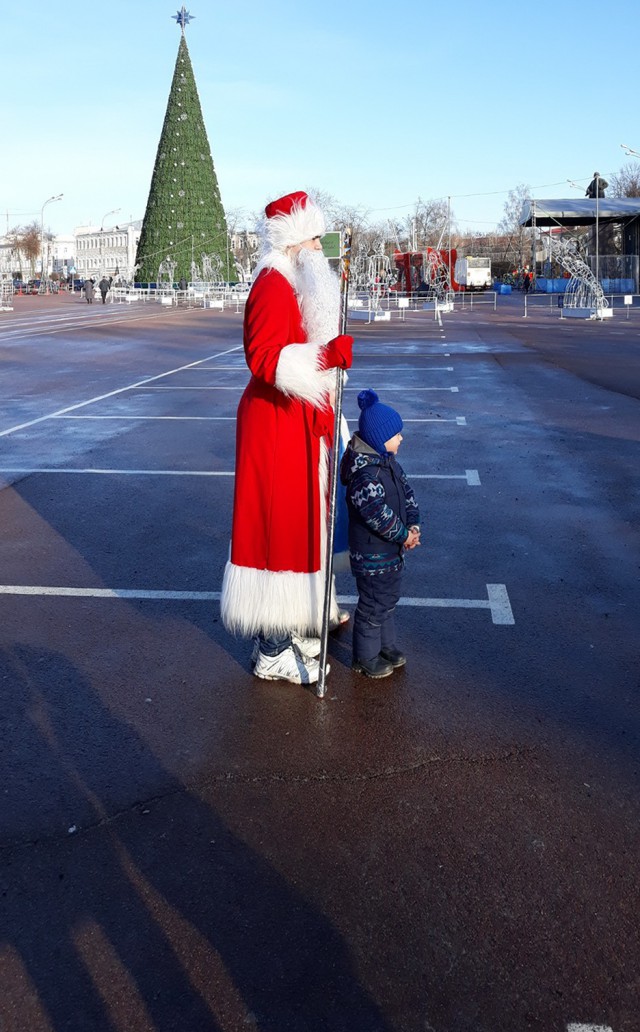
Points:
point(184, 222)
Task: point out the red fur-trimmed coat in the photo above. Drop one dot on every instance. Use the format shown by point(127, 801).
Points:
point(274, 581)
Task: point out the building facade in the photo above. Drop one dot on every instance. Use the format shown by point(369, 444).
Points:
point(59, 255)
point(106, 252)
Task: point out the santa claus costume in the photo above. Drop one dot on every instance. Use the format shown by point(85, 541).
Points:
point(274, 581)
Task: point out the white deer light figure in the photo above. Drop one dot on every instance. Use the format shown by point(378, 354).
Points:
point(378, 274)
point(437, 275)
point(211, 268)
point(583, 289)
point(165, 272)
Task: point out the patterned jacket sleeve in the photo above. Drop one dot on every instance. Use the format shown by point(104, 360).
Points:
point(413, 513)
point(368, 497)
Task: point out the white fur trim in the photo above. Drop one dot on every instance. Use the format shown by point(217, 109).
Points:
point(302, 223)
point(263, 601)
point(298, 374)
point(260, 601)
point(278, 261)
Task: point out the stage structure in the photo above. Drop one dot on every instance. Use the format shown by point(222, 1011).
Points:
point(595, 212)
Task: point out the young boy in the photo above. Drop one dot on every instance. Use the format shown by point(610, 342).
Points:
point(383, 523)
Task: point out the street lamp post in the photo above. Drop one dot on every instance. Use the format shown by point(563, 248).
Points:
point(57, 197)
point(449, 242)
point(114, 211)
point(533, 242)
point(598, 178)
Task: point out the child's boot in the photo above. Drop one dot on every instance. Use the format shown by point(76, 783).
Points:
point(395, 657)
point(376, 667)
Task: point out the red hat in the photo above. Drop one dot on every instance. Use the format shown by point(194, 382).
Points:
point(292, 219)
point(284, 204)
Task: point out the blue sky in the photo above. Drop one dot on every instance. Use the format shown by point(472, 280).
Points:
point(376, 103)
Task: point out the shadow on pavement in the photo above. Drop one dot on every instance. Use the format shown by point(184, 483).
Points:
point(159, 918)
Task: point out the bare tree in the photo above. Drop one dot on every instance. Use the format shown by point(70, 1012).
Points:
point(25, 242)
point(375, 239)
point(428, 224)
point(339, 215)
point(236, 220)
point(399, 234)
point(626, 183)
point(518, 246)
point(31, 241)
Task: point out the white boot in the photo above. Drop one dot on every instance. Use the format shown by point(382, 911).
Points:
point(287, 666)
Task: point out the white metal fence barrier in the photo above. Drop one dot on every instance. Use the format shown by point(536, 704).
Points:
point(553, 302)
point(373, 307)
point(193, 297)
point(6, 295)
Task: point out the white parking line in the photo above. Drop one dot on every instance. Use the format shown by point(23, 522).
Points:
point(497, 599)
point(497, 602)
point(409, 369)
point(215, 387)
point(8, 336)
point(460, 420)
point(110, 394)
point(205, 419)
point(588, 1028)
point(125, 472)
point(470, 475)
point(369, 369)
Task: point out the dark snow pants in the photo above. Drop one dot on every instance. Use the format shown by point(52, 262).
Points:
point(374, 622)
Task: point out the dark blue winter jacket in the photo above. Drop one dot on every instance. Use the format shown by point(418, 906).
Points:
point(381, 508)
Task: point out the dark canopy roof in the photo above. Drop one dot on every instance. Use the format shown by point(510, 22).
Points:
point(580, 212)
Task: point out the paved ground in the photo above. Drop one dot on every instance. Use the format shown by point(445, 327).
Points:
point(185, 849)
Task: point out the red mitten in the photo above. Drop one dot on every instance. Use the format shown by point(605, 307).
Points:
point(338, 352)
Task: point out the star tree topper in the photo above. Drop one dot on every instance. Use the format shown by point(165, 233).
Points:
point(183, 17)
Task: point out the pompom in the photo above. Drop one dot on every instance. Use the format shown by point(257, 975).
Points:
point(367, 398)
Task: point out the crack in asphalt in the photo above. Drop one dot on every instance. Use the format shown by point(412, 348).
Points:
point(513, 754)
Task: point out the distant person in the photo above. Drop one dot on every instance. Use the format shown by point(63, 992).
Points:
point(89, 291)
point(182, 283)
point(104, 287)
point(384, 522)
point(597, 186)
point(526, 281)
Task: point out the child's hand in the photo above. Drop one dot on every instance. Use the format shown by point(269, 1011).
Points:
point(413, 539)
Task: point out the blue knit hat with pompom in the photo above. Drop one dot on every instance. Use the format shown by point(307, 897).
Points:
point(378, 423)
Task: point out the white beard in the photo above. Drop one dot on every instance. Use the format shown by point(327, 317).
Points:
point(318, 290)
